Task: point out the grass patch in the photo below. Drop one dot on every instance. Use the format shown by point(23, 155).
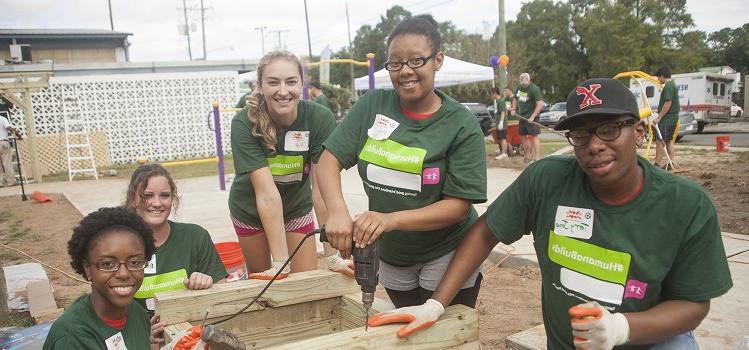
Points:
point(180, 171)
point(19, 319)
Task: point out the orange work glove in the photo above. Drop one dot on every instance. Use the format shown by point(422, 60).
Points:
point(338, 264)
point(595, 328)
point(418, 317)
point(268, 274)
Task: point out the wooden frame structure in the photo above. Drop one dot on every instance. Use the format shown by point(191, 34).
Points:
point(25, 84)
point(308, 310)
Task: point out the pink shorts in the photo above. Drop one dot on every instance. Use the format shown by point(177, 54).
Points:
point(303, 225)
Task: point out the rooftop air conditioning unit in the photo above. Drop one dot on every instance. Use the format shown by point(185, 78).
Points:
point(20, 53)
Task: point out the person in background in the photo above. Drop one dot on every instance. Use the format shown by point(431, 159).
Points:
point(499, 134)
point(277, 140)
point(110, 248)
point(617, 269)
point(422, 160)
point(318, 95)
point(668, 117)
point(528, 104)
point(7, 173)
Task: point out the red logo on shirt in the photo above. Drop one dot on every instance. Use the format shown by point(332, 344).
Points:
point(590, 95)
point(574, 215)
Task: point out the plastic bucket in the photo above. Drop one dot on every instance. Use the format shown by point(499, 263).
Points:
point(723, 143)
point(231, 256)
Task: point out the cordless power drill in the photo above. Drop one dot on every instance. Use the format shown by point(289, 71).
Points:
point(366, 271)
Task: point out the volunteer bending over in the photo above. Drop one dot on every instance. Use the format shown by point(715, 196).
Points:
point(421, 157)
point(277, 140)
point(110, 248)
point(605, 240)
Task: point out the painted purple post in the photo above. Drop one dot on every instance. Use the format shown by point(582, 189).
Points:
point(219, 146)
point(370, 57)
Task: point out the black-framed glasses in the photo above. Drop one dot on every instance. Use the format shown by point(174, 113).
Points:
point(607, 132)
point(108, 265)
point(413, 63)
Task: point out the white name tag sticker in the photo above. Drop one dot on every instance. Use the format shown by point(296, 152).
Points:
point(574, 222)
point(151, 266)
point(297, 141)
point(382, 127)
point(116, 342)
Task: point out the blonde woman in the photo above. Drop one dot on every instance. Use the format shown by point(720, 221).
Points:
point(276, 141)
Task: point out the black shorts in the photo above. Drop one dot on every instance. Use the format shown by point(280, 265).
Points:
point(667, 131)
point(500, 134)
point(527, 128)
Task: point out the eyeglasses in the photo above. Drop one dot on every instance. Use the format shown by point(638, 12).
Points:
point(113, 265)
point(413, 63)
point(606, 132)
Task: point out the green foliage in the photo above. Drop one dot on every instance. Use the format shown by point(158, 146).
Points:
point(339, 99)
point(563, 43)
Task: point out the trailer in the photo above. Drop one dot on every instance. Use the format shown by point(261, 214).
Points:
point(707, 95)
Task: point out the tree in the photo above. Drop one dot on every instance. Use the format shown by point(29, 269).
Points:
point(550, 54)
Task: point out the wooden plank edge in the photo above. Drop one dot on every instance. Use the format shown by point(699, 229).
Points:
point(458, 326)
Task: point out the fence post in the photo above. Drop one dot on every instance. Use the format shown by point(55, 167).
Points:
point(219, 145)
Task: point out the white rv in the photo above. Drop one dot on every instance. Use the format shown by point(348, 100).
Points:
point(707, 95)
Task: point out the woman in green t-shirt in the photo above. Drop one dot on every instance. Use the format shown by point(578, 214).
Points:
point(276, 142)
point(110, 248)
point(421, 157)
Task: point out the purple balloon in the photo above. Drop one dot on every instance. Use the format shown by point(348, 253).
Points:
point(494, 60)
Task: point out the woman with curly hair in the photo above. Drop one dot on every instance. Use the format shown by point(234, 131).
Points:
point(110, 248)
point(276, 141)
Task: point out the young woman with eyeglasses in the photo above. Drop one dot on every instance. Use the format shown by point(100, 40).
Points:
point(110, 248)
point(421, 157)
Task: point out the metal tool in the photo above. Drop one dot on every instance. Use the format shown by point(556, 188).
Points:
point(366, 272)
point(219, 339)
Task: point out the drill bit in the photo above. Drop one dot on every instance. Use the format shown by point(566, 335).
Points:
point(367, 299)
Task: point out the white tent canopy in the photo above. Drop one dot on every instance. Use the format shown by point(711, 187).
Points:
point(453, 72)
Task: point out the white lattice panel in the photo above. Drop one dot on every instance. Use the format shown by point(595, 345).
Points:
point(158, 116)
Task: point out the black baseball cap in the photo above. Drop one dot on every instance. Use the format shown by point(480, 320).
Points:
point(595, 97)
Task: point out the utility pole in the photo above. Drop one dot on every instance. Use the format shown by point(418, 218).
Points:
point(262, 37)
point(502, 44)
point(202, 25)
point(309, 40)
point(351, 53)
point(278, 33)
point(187, 30)
point(111, 21)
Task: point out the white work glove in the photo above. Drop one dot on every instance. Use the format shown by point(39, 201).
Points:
point(594, 328)
point(336, 263)
point(418, 317)
point(268, 274)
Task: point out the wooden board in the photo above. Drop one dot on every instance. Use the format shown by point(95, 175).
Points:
point(352, 310)
point(42, 305)
point(457, 327)
point(225, 299)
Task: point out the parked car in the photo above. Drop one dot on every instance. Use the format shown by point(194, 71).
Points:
point(556, 114)
point(687, 124)
point(736, 111)
point(481, 112)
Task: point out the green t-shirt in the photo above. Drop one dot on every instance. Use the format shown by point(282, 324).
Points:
point(501, 107)
point(297, 148)
point(242, 101)
point(670, 93)
point(188, 249)
point(80, 328)
point(527, 98)
point(322, 100)
point(409, 164)
point(665, 244)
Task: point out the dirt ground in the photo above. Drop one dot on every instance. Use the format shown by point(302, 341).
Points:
point(509, 301)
